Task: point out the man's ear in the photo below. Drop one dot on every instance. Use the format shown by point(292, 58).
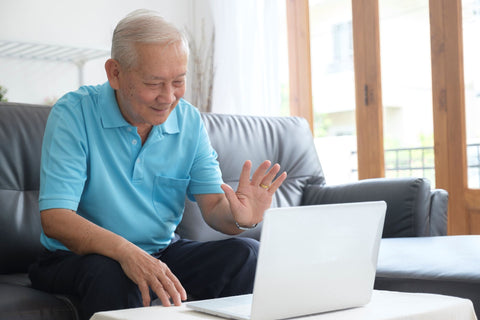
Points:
point(112, 67)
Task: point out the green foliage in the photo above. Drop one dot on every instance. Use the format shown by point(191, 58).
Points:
point(3, 92)
point(322, 124)
point(426, 140)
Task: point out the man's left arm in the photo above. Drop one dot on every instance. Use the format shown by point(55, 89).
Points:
point(246, 206)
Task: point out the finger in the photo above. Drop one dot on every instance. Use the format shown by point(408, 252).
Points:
point(268, 178)
point(260, 172)
point(277, 183)
point(161, 294)
point(245, 174)
point(170, 292)
point(145, 292)
point(182, 294)
point(171, 289)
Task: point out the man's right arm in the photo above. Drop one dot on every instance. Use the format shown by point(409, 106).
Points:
point(84, 237)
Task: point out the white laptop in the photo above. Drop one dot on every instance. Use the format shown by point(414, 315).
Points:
point(312, 259)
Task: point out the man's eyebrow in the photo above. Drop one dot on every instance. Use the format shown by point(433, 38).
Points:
point(162, 78)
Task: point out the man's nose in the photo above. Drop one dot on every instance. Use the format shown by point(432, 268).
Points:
point(167, 94)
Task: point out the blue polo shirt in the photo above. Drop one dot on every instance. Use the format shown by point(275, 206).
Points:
point(93, 162)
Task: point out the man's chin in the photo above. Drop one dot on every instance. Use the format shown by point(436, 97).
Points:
point(160, 120)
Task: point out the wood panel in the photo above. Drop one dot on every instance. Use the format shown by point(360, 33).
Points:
point(472, 202)
point(449, 109)
point(298, 27)
point(368, 89)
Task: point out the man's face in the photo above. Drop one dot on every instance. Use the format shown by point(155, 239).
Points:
point(149, 91)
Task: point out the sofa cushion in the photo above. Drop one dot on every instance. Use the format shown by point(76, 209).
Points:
point(408, 202)
point(22, 302)
point(444, 265)
point(18, 300)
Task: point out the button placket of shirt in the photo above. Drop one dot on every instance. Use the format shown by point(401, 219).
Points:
point(135, 142)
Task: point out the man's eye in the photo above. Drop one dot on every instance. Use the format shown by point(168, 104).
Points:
point(178, 83)
point(152, 84)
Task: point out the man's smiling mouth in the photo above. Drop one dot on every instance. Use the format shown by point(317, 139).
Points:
point(160, 109)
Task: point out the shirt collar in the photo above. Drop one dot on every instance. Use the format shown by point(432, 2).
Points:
point(171, 125)
point(113, 118)
point(109, 110)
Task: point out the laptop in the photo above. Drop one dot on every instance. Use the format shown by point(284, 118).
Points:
point(312, 259)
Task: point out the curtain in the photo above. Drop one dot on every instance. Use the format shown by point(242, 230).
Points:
point(246, 57)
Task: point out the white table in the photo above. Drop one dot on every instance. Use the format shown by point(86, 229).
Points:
point(384, 305)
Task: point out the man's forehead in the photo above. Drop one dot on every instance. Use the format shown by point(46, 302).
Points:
point(176, 48)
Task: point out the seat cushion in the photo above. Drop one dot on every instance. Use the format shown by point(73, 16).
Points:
point(444, 265)
point(22, 302)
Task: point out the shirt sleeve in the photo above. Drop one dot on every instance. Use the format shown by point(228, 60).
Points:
point(64, 152)
point(206, 176)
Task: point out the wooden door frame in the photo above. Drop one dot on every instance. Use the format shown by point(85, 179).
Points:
point(447, 93)
point(368, 89)
point(300, 67)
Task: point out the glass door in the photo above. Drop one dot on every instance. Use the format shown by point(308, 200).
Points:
point(333, 88)
point(471, 51)
point(407, 88)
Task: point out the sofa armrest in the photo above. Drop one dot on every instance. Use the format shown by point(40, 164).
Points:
point(409, 202)
point(439, 212)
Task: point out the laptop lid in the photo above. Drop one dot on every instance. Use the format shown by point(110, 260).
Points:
point(315, 259)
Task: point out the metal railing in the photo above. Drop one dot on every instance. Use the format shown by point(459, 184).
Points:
point(420, 162)
point(473, 162)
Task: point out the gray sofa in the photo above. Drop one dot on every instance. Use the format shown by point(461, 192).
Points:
point(414, 211)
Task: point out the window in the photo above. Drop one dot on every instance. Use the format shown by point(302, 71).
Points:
point(333, 88)
point(471, 49)
point(342, 47)
point(406, 88)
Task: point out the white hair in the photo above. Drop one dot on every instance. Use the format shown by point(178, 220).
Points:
point(143, 26)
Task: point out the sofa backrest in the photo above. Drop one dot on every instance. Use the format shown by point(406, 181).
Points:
point(236, 138)
point(286, 140)
point(21, 133)
point(408, 201)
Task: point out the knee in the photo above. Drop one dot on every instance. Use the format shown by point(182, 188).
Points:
point(244, 251)
point(249, 245)
point(242, 264)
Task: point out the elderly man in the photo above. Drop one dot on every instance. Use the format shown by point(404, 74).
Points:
point(118, 160)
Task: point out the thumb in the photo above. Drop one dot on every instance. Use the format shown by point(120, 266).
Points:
point(231, 196)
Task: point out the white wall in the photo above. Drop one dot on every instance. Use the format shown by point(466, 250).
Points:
point(85, 23)
point(246, 47)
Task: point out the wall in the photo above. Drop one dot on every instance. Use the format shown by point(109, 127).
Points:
point(247, 48)
point(85, 23)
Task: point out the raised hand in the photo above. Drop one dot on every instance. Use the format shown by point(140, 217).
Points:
point(253, 196)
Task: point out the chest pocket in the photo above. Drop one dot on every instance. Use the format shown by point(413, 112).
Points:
point(169, 197)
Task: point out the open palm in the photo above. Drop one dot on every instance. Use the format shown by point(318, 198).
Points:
point(254, 196)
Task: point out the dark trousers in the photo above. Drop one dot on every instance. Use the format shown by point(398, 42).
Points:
point(205, 269)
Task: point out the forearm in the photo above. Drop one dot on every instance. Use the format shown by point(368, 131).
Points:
point(80, 235)
point(217, 213)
